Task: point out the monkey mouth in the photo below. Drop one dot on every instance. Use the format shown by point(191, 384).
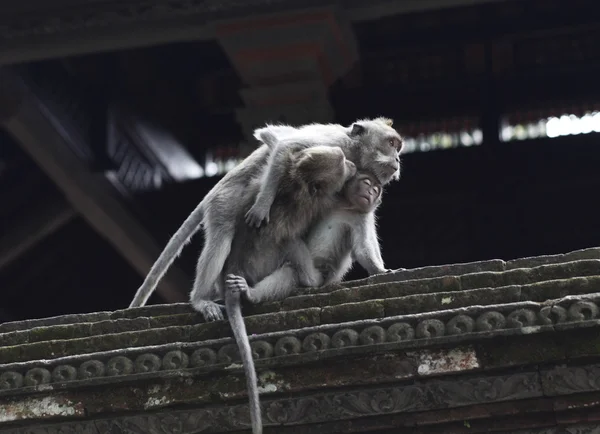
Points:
point(366, 200)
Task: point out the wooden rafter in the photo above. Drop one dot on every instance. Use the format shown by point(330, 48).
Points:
point(43, 137)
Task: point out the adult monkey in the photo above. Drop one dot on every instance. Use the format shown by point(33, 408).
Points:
point(373, 145)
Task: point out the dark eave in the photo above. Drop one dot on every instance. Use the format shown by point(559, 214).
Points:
point(34, 30)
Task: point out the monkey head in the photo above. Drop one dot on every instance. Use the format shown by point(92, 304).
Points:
point(377, 149)
point(363, 192)
point(325, 168)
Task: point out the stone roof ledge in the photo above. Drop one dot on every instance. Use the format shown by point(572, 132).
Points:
point(450, 349)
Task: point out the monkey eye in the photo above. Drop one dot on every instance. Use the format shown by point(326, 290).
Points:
point(377, 190)
point(367, 181)
point(395, 143)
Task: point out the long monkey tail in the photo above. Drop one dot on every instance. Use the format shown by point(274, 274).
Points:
point(171, 251)
point(234, 313)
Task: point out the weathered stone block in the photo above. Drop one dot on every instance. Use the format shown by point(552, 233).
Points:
point(353, 311)
point(420, 303)
point(482, 280)
point(556, 289)
point(297, 319)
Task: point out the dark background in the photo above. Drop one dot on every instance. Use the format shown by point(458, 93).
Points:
point(471, 68)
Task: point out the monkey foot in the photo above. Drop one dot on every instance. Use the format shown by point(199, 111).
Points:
point(210, 310)
point(256, 215)
point(236, 284)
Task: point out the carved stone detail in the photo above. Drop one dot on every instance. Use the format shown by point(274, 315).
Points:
point(288, 345)
point(91, 369)
point(147, 363)
point(204, 357)
point(37, 376)
point(430, 328)
point(11, 380)
point(345, 405)
point(552, 315)
point(344, 338)
point(119, 365)
point(228, 354)
point(583, 311)
point(572, 379)
point(261, 349)
point(372, 335)
point(389, 330)
point(64, 373)
point(175, 360)
point(400, 331)
point(460, 324)
point(491, 320)
point(521, 318)
point(316, 342)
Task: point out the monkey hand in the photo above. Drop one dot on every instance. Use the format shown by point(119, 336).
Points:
point(257, 214)
point(236, 284)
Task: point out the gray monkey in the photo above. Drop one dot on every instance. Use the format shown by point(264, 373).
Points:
point(372, 144)
point(386, 140)
point(312, 177)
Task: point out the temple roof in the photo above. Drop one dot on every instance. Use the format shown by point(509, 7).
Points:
point(452, 348)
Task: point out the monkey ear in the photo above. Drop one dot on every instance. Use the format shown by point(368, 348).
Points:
point(357, 129)
point(388, 122)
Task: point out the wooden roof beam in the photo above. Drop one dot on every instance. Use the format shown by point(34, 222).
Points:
point(43, 137)
point(36, 226)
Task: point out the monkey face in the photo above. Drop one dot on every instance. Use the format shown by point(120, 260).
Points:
point(363, 192)
point(380, 147)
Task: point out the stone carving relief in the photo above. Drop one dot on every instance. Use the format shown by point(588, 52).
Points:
point(321, 408)
point(336, 338)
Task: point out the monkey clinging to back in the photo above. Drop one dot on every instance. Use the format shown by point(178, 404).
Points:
point(373, 145)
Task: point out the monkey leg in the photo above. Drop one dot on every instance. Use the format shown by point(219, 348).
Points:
point(210, 310)
point(275, 286)
point(208, 283)
point(301, 260)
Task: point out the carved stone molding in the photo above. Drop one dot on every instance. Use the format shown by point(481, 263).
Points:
point(322, 407)
point(527, 318)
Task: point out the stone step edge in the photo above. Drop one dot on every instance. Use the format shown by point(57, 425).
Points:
point(497, 265)
point(184, 308)
point(494, 265)
point(470, 348)
point(390, 307)
point(523, 315)
point(321, 298)
point(422, 347)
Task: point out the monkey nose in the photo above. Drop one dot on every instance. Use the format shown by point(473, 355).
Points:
point(391, 169)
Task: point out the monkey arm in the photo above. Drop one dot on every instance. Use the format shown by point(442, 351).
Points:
point(274, 172)
point(366, 248)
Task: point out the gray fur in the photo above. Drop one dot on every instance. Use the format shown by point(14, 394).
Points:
point(221, 214)
point(345, 235)
point(312, 178)
point(366, 142)
point(218, 212)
